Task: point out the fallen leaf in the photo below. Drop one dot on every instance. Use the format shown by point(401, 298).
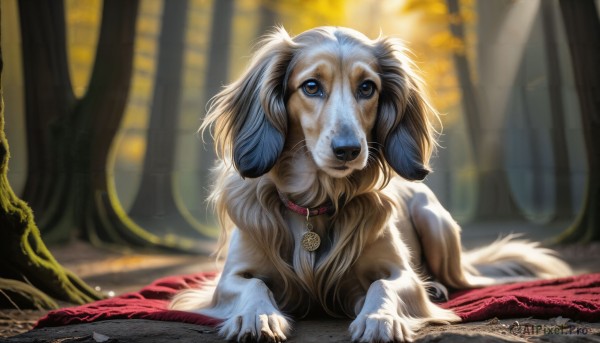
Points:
point(560, 320)
point(98, 337)
point(493, 321)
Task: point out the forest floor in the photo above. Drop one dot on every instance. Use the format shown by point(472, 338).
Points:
point(118, 272)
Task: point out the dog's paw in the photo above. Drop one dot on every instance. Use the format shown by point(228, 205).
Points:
point(256, 326)
point(380, 327)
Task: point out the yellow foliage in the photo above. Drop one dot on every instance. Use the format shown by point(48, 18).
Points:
point(436, 44)
point(447, 42)
point(430, 7)
point(141, 87)
point(144, 66)
point(132, 149)
point(149, 25)
point(300, 15)
point(137, 114)
point(144, 63)
point(198, 29)
point(195, 59)
point(244, 30)
point(82, 19)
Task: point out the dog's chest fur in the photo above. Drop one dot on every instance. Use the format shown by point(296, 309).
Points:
point(314, 270)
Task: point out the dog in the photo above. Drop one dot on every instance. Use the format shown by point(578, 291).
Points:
point(321, 145)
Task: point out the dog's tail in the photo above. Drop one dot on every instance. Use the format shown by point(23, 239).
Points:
point(511, 259)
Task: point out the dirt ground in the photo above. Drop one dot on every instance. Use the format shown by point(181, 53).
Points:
point(335, 331)
point(117, 272)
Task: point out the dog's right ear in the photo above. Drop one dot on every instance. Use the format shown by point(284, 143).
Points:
point(248, 117)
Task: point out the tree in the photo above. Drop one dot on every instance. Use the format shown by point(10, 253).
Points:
point(48, 97)
point(217, 73)
point(156, 207)
point(268, 16)
point(30, 277)
point(563, 205)
point(79, 132)
point(494, 199)
point(582, 28)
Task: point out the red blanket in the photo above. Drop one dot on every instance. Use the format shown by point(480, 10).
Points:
point(577, 298)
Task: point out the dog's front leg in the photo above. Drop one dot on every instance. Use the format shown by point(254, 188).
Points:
point(384, 317)
point(396, 304)
point(243, 300)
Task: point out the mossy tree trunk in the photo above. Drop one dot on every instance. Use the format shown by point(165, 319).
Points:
point(30, 277)
point(582, 27)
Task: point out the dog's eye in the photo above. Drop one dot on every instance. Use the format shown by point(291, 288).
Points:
point(366, 89)
point(312, 88)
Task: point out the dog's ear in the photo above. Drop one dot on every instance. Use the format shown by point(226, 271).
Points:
point(403, 129)
point(248, 117)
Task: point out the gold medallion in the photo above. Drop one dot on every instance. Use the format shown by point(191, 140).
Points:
point(311, 241)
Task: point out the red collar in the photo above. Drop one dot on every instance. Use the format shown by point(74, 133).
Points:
point(327, 208)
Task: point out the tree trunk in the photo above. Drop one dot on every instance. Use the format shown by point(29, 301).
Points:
point(533, 145)
point(217, 74)
point(29, 275)
point(563, 206)
point(81, 131)
point(156, 207)
point(268, 17)
point(97, 119)
point(220, 39)
point(48, 98)
point(494, 199)
point(582, 27)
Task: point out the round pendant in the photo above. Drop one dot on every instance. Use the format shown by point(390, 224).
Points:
point(311, 241)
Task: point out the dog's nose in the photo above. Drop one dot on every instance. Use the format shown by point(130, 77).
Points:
point(345, 149)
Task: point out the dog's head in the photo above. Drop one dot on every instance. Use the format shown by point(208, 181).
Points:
point(346, 97)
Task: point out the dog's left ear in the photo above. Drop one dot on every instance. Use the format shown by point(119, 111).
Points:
point(403, 127)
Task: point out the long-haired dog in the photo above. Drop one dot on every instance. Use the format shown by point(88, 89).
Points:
point(320, 143)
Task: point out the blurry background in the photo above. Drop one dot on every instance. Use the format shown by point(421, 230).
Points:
point(500, 71)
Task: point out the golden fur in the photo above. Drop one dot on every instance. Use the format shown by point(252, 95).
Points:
point(332, 116)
